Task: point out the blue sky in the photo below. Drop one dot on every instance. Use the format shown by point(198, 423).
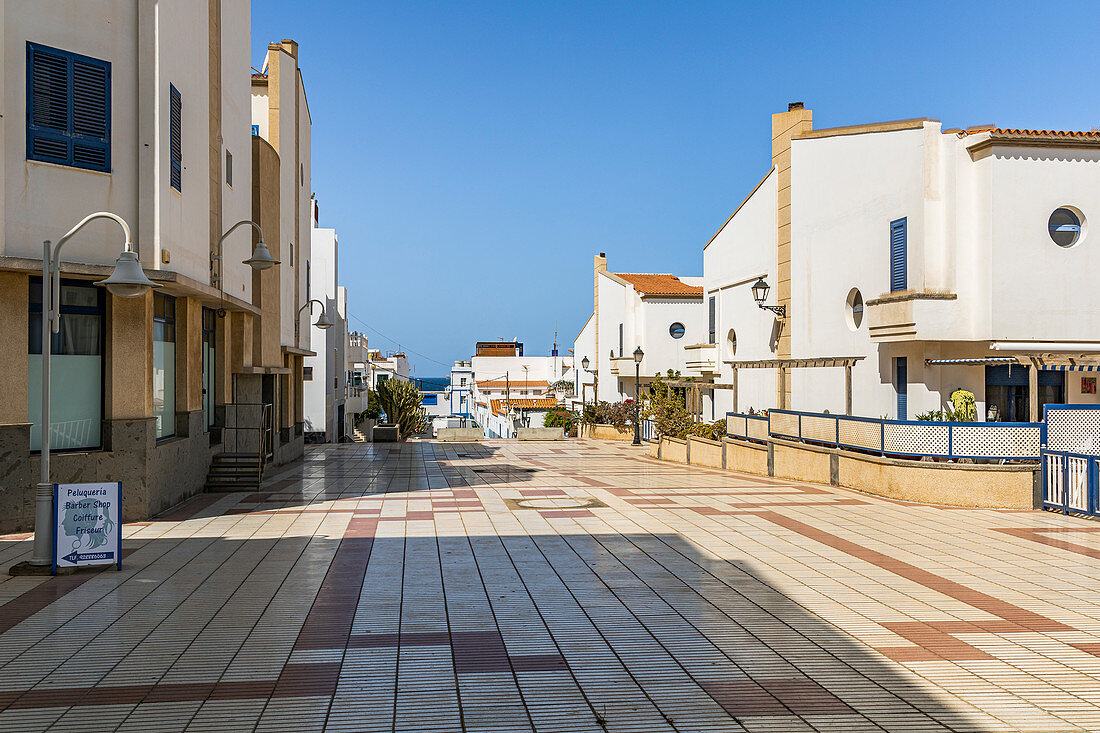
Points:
point(473, 157)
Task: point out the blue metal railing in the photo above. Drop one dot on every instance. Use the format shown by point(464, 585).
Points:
point(1071, 482)
point(743, 426)
point(910, 438)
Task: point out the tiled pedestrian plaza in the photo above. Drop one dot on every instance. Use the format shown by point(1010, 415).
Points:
point(559, 587)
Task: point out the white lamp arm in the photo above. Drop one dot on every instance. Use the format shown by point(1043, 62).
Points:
point(229, 231)
point(53, 309)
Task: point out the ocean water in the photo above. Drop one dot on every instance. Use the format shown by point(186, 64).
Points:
point(432, 384)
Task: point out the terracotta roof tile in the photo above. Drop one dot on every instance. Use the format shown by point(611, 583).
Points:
point(524, 403)
point(1017, 132)
point(658, 284)
point(515, 383)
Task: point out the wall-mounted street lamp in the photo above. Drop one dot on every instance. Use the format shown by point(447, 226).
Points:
point(323, 321)
point(261, 258)
point(595, 380)
point(760, 291)
point(638, 354)
point(127, 280)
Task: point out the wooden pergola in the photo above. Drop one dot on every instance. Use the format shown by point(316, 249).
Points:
point(696, 387)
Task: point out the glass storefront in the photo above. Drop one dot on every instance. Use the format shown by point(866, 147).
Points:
point(76, 367)
point(164, 364)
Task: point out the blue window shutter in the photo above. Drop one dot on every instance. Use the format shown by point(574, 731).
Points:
point(620, 339)
point(68, 108)
point(175, 129)
point(898, 254)
point(901, 370)
point(91, 114)
point(712, 328)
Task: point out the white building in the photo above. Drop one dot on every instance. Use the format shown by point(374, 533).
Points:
point(358, 379)
point(143, 110)
point(663, 314)
point(391, 365)
point(460, 389)
point(325, 375)
point(931, 259)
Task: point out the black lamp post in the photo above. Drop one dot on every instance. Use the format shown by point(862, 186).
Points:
point(760, 290)
point(638, 354)
point(595, 378)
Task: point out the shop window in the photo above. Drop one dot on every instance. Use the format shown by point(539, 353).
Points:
point(164, 364)
point(76, 368)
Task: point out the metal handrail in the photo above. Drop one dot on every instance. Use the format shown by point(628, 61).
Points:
point(258, 432)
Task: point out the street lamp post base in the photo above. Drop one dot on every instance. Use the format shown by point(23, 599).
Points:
point(28, 568)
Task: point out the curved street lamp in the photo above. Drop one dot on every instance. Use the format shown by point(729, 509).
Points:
point(127, 280)
point(323, 321)
point(261, 258)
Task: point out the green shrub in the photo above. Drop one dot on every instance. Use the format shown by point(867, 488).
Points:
point(559, 417)
point(400, 401)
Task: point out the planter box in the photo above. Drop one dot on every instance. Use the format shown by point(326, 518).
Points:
point(460, 435)
point(540, 434)
point(386, 433)
point(606, 432)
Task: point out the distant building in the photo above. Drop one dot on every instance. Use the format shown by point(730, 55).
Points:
point(461, 388)
point(325, 375)
point(391, 365)
point(507, 375)
point(661, 313)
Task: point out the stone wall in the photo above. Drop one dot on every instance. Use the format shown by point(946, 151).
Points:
point(154, 475)
point(605, 432)
point(1012, 486)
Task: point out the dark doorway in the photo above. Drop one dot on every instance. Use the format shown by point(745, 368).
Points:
point(1006, 386)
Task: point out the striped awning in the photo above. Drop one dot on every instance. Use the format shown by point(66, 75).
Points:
point(988, 361)
point(1071, 367)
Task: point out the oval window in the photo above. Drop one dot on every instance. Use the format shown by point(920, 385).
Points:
point(731, 343)
point(676, 330)
point(1064, 227)
point(854, 308)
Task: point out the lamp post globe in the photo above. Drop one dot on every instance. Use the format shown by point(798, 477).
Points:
point(323, 321)
point(261, 258)
point(584, 363)
point(128, 279)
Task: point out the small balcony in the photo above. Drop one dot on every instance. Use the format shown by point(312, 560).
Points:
point(912, 315)
point(701, 359)
point(623, 363)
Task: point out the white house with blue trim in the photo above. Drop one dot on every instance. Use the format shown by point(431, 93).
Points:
point(925, 259)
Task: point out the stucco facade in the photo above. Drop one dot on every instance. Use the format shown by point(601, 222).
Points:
point(914, 244)
point(140, 385)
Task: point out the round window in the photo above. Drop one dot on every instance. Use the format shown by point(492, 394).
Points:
point(676, 330)
point(854, 309)
point(731, 343)
point(1064, 227)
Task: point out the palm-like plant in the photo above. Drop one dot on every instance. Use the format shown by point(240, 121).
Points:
point(400, 401)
